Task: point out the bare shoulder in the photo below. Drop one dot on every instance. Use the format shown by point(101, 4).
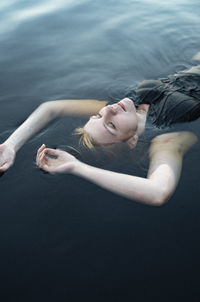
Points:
point(167, 150)
point(174, 141)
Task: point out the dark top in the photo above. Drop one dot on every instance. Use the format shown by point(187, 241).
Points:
point(174, 99)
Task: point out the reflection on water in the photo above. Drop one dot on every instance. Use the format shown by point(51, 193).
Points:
point(90, 48)
point(25, 12)
point(80, 242)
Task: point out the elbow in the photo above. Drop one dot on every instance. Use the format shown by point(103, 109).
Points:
point(161, 198)
point(157, 199)
point(47, 108)
point(160, 202)
point(156, 196)
point(45, 105)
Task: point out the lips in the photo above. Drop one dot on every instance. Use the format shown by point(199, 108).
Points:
point(122, 106)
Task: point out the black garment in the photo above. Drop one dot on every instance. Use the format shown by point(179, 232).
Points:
point(175, 99)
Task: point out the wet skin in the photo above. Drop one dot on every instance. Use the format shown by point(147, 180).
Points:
point(113, 123)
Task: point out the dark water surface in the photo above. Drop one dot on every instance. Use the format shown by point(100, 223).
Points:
point(62, 238)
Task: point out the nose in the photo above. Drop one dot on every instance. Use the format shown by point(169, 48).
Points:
point(112, 109)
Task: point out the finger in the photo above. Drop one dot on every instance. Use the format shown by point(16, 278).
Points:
point(41, 154)
point(4, 167)
point(51, 151)
point(37, 158)
point(43, 158)
point(40, 158)
point(46, 168)
point(41, 149)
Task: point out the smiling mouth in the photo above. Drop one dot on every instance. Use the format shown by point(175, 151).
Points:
point(122, 106)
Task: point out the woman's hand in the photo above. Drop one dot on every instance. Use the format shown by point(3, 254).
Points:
point(7, 157)
point(55, 160)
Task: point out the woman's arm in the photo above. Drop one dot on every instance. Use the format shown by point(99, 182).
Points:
point(166, 155)
point(49, 111)
point(74, 107)
point(40, 118)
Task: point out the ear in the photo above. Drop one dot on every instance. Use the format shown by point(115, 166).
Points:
point(132, 142)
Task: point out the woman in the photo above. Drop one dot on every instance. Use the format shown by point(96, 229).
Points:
point(164, 102)
point(121, 122)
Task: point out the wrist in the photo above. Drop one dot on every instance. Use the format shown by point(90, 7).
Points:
point(77, 167)
point(10, 145)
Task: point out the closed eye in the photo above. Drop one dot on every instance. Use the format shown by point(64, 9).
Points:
point(112, 125)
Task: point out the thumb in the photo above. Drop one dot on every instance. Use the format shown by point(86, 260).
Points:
point(4, 167)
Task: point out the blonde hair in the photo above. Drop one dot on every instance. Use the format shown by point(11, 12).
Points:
point(85, 139)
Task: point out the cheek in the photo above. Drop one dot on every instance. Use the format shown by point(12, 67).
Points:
point(127, 123)
point(102, 110)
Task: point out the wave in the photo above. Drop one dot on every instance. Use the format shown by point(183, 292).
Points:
point(12, 16)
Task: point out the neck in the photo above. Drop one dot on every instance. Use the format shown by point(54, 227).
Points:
point(142, 116)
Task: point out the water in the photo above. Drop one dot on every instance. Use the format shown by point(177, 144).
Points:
point(62, 243)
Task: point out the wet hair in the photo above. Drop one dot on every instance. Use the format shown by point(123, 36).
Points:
point(85, 139)
point(88, 142)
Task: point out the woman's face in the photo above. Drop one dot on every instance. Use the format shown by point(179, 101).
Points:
point(114, 123)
